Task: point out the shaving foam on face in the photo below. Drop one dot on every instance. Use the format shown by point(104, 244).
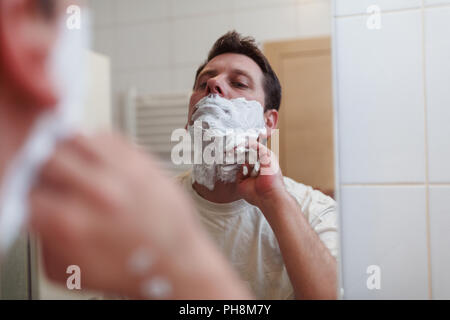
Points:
point(235, 121)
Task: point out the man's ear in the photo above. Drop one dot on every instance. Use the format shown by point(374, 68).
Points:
point(271, 119)
point(27, 37)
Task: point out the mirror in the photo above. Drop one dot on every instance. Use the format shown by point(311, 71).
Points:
point(142, 74)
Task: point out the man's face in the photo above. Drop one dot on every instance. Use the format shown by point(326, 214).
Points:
point(231, 76)
point(29, 30)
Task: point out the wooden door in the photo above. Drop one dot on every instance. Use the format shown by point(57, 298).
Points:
point(306, 114)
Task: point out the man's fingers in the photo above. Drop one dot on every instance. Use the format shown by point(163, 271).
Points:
point(104, 149)
point(62, 227)
point(112, 151)
point(54, 266)
point(54, 214)
point(85, 148)
point(264, 154)
point(66, 166)
point(244, 172)
point(68, 171)
point(267, 159)
point(262, 135)
point(255, 170)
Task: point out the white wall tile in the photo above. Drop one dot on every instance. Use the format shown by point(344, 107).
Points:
point(267, 24)
point(130, 11)
point(313, 19)
point(344, 7)
point(192, 38)
point(380, 99)
point(146, 81)
point(440, 241)
point(103, 41)
point(436, 2)
point(181, 8)
point(142, 45)
point(256, 4)
point(183, 78)
point(314, 1)
point(103, 12)
point(384, 226)
point(437, 39)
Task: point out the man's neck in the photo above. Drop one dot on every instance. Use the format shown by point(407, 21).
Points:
point(222, 193)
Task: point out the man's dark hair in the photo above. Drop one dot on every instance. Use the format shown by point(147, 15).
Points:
point(233, 42)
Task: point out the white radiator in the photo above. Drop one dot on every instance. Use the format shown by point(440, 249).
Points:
point(149, 121)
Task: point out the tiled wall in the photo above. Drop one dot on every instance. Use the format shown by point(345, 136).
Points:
point(392, 102)
point(156, 45)
point(392, 110)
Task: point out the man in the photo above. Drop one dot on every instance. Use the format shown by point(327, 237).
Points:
point(279, 234)
point(99, 203)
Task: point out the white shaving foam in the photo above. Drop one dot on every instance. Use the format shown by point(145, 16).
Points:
point(219, 115)
point(157, 288)
point(141, 260)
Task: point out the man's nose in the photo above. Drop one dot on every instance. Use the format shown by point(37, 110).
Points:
point(214, 86)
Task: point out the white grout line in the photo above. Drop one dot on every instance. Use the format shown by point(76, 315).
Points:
point(335, 91)
point(364, 14)
point(171, 18)
point(383, 185)
point(388, 185)
point(427, 175)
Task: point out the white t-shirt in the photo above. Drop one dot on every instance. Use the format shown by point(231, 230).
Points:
point(245, 237)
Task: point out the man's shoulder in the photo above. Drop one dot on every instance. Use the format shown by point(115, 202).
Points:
point(313, 202)
point(301, 190)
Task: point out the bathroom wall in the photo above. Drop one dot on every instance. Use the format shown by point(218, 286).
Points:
point(157, 45)
point(392, 111)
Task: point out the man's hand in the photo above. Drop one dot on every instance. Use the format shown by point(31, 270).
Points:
point(311, 268)
point(268, 185)
point(100, 200)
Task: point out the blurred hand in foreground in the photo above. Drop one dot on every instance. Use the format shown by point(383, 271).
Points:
point(102, 204)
